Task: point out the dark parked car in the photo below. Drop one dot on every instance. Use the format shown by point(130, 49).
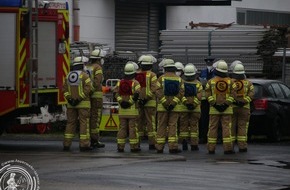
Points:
point(270, 109)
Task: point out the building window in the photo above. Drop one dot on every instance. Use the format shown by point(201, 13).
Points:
point(251, 17)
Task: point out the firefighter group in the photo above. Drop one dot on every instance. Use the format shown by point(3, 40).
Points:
point(176, 107)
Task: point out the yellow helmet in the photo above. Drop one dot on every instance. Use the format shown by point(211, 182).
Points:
point(129, 69)
point(239, 69)
point(189, 70)
point(179, 66)
point(97, 54)
point(222, 66)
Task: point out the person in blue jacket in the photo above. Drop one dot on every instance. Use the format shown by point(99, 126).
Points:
point(205, 75)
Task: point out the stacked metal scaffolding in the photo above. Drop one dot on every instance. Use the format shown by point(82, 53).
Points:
point(233, 43)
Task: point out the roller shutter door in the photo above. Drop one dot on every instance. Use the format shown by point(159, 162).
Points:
point(137, 27)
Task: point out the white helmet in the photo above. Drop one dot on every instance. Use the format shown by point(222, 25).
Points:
point(129, 69)
point(239, 69)
point(80, 60)
point(190, 70)
point(234, 63)
point(136, 67)
point(97, 54)
point(167, 63)
point(222, 66)
point(179, 66)
point(146, 59)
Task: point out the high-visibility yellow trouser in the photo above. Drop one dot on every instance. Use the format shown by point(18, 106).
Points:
point(73, 115)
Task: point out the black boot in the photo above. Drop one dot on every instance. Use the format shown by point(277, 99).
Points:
point(136, 150)
point(86, 149)
point(152, 147)
point(194, 148)
point(174, 151)
point(229, 152)
point(97, 144)
point(184, 144)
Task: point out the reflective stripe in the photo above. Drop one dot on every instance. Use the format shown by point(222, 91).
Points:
point(210, 98)
point(82, 104)
point(193, 135)
point(150, 103)
point(175, 99)
point(84, 137)
point(212, 140)
point(183, 99)
point(172, 139)
point(163, 100)
point(121, 141)
point(98, 72)
point(160, 140)
point(97, 95)
point(69, 136)
point(183, 134)
point(248, 99)
point(227, 140)
point(119, 98)
point(196, 101)
point(151, 134)
point(148, 84)
point(133, 141)
point(242, 138)
point(130, 111)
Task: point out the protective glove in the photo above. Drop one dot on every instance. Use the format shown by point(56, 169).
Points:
point(142, 102)
point(73, 102)
point(125, 104)
point(220, 108)
point(224, 107)
point(135, 97)
point(190, 106)
point(170, 107)
point(239, 104)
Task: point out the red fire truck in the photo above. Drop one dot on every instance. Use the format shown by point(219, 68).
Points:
point(34, 59)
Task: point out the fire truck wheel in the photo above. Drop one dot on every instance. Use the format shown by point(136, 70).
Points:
point(41, 128)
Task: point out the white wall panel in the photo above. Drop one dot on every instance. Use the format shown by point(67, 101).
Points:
point(97, 21)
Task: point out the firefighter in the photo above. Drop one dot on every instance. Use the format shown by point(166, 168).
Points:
point(94, 69)
point(180, 129)
point(147, 99)
point(241, 107)
point(205, 75)
point(77, 89)
point(127, 93)
point(170, 90)
point(179, 69)
point(190, 110)
point(220, 93)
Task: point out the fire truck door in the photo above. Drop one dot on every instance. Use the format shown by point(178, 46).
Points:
point(7, 50)
point(47, 54)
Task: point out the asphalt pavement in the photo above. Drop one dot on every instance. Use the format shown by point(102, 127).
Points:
point(264, 166)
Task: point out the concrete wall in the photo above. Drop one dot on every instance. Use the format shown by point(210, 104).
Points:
point(178, 17)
